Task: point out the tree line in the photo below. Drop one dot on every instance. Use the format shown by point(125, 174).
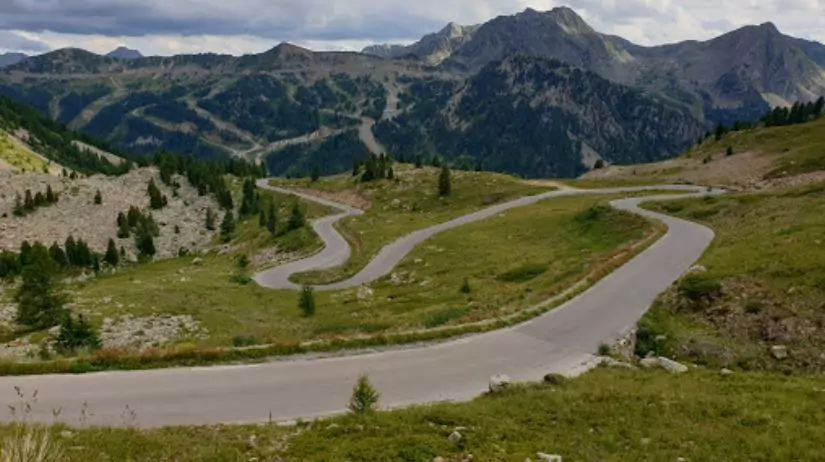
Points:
point(30, 203)
point(779, 116)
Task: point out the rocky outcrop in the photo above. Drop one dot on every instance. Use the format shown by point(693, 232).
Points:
point(76, 213)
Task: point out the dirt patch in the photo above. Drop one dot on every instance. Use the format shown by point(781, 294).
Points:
point(348, 197)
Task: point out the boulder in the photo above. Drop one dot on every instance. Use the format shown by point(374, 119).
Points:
point(455, 438)
point(671, 366)
point(649, 362)
point(779, 351)
point(726, 372)
point(498, 383)
point(607, 361)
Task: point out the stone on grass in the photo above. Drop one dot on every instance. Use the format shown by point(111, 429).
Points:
point(364, 293)
point(726, 372)
point(779, 351)
point(498, 383)
point(548, 457)
point(648, 363)
point(455, 438)
point(671, 366)
point(197, 261)
point(607, 361)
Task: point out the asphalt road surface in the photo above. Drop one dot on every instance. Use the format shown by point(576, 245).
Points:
point(561, 341)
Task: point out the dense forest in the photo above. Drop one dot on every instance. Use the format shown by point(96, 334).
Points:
point(534, 116)
point(334, 155)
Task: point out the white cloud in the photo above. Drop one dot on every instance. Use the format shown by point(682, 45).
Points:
point(247, 26)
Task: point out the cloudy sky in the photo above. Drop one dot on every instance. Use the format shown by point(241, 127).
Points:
point(167, 27)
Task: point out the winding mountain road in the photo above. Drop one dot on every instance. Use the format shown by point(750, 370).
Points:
point(561, 341)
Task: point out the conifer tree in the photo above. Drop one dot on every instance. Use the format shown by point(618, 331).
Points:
point(296, 218)
point(228, 226)
point(111, 257)
point(272, 220)
point(445, 187)
point(210, 219)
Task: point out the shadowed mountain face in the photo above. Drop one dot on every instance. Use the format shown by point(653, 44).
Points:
point(7, 59)
point(124, 53)
point(538, 93)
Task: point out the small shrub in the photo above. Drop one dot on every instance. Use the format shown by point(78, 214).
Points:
point(364, 397)
point(242, 261)
point(241, 279)
point(465, 286)
point(306, 303)
point(244, 340)
point(75, 335)
point(604, 349)
point(729, 151)
point(443, 317)
point(524, 273)
point(699, 288)
point(598, 165)
point(555, 380)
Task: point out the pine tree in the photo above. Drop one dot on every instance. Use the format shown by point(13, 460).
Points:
point(76, 335)
point(272, 220)
point(306, 302)
point(96, 263)
point(419, 161)
point(123, 229)
point(19, 210)
point(445, 187)
point(262, 219)
point(40, 301)
point(210, 219)
point(228, 226)
point(25, 254)
point(296, 218)
point(156, 199)
point(145, 243)
point(819, 106)
point(51, 198)
point(364, 397)
point(390, 173)
point(28, 202)
point(71, 252)
point(58, 255)
point(729, 151)
point(111, 257)
point(316, 174)
point(98, 198)
point(39, 199)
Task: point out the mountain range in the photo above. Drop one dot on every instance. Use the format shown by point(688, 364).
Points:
point(535, 93)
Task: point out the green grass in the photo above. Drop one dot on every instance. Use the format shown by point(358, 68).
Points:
point(769, 257)
point(427, 283)
point(18, 157)
point(404, 205)
point(604, 415)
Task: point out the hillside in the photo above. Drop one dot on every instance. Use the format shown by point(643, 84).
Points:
point(215, 106)
point(538, 118)
point(761, 158)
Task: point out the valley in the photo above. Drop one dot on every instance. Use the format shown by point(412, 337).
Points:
point(518, 240)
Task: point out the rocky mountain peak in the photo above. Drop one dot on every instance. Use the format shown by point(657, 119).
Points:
point(123, 52)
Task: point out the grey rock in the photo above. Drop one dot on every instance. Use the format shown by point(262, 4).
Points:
point(455, 438)
point(498, 383)
point(726, 372)
point(648, 363)
point(548, 457)
point(671, 366)
point(779, 351)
